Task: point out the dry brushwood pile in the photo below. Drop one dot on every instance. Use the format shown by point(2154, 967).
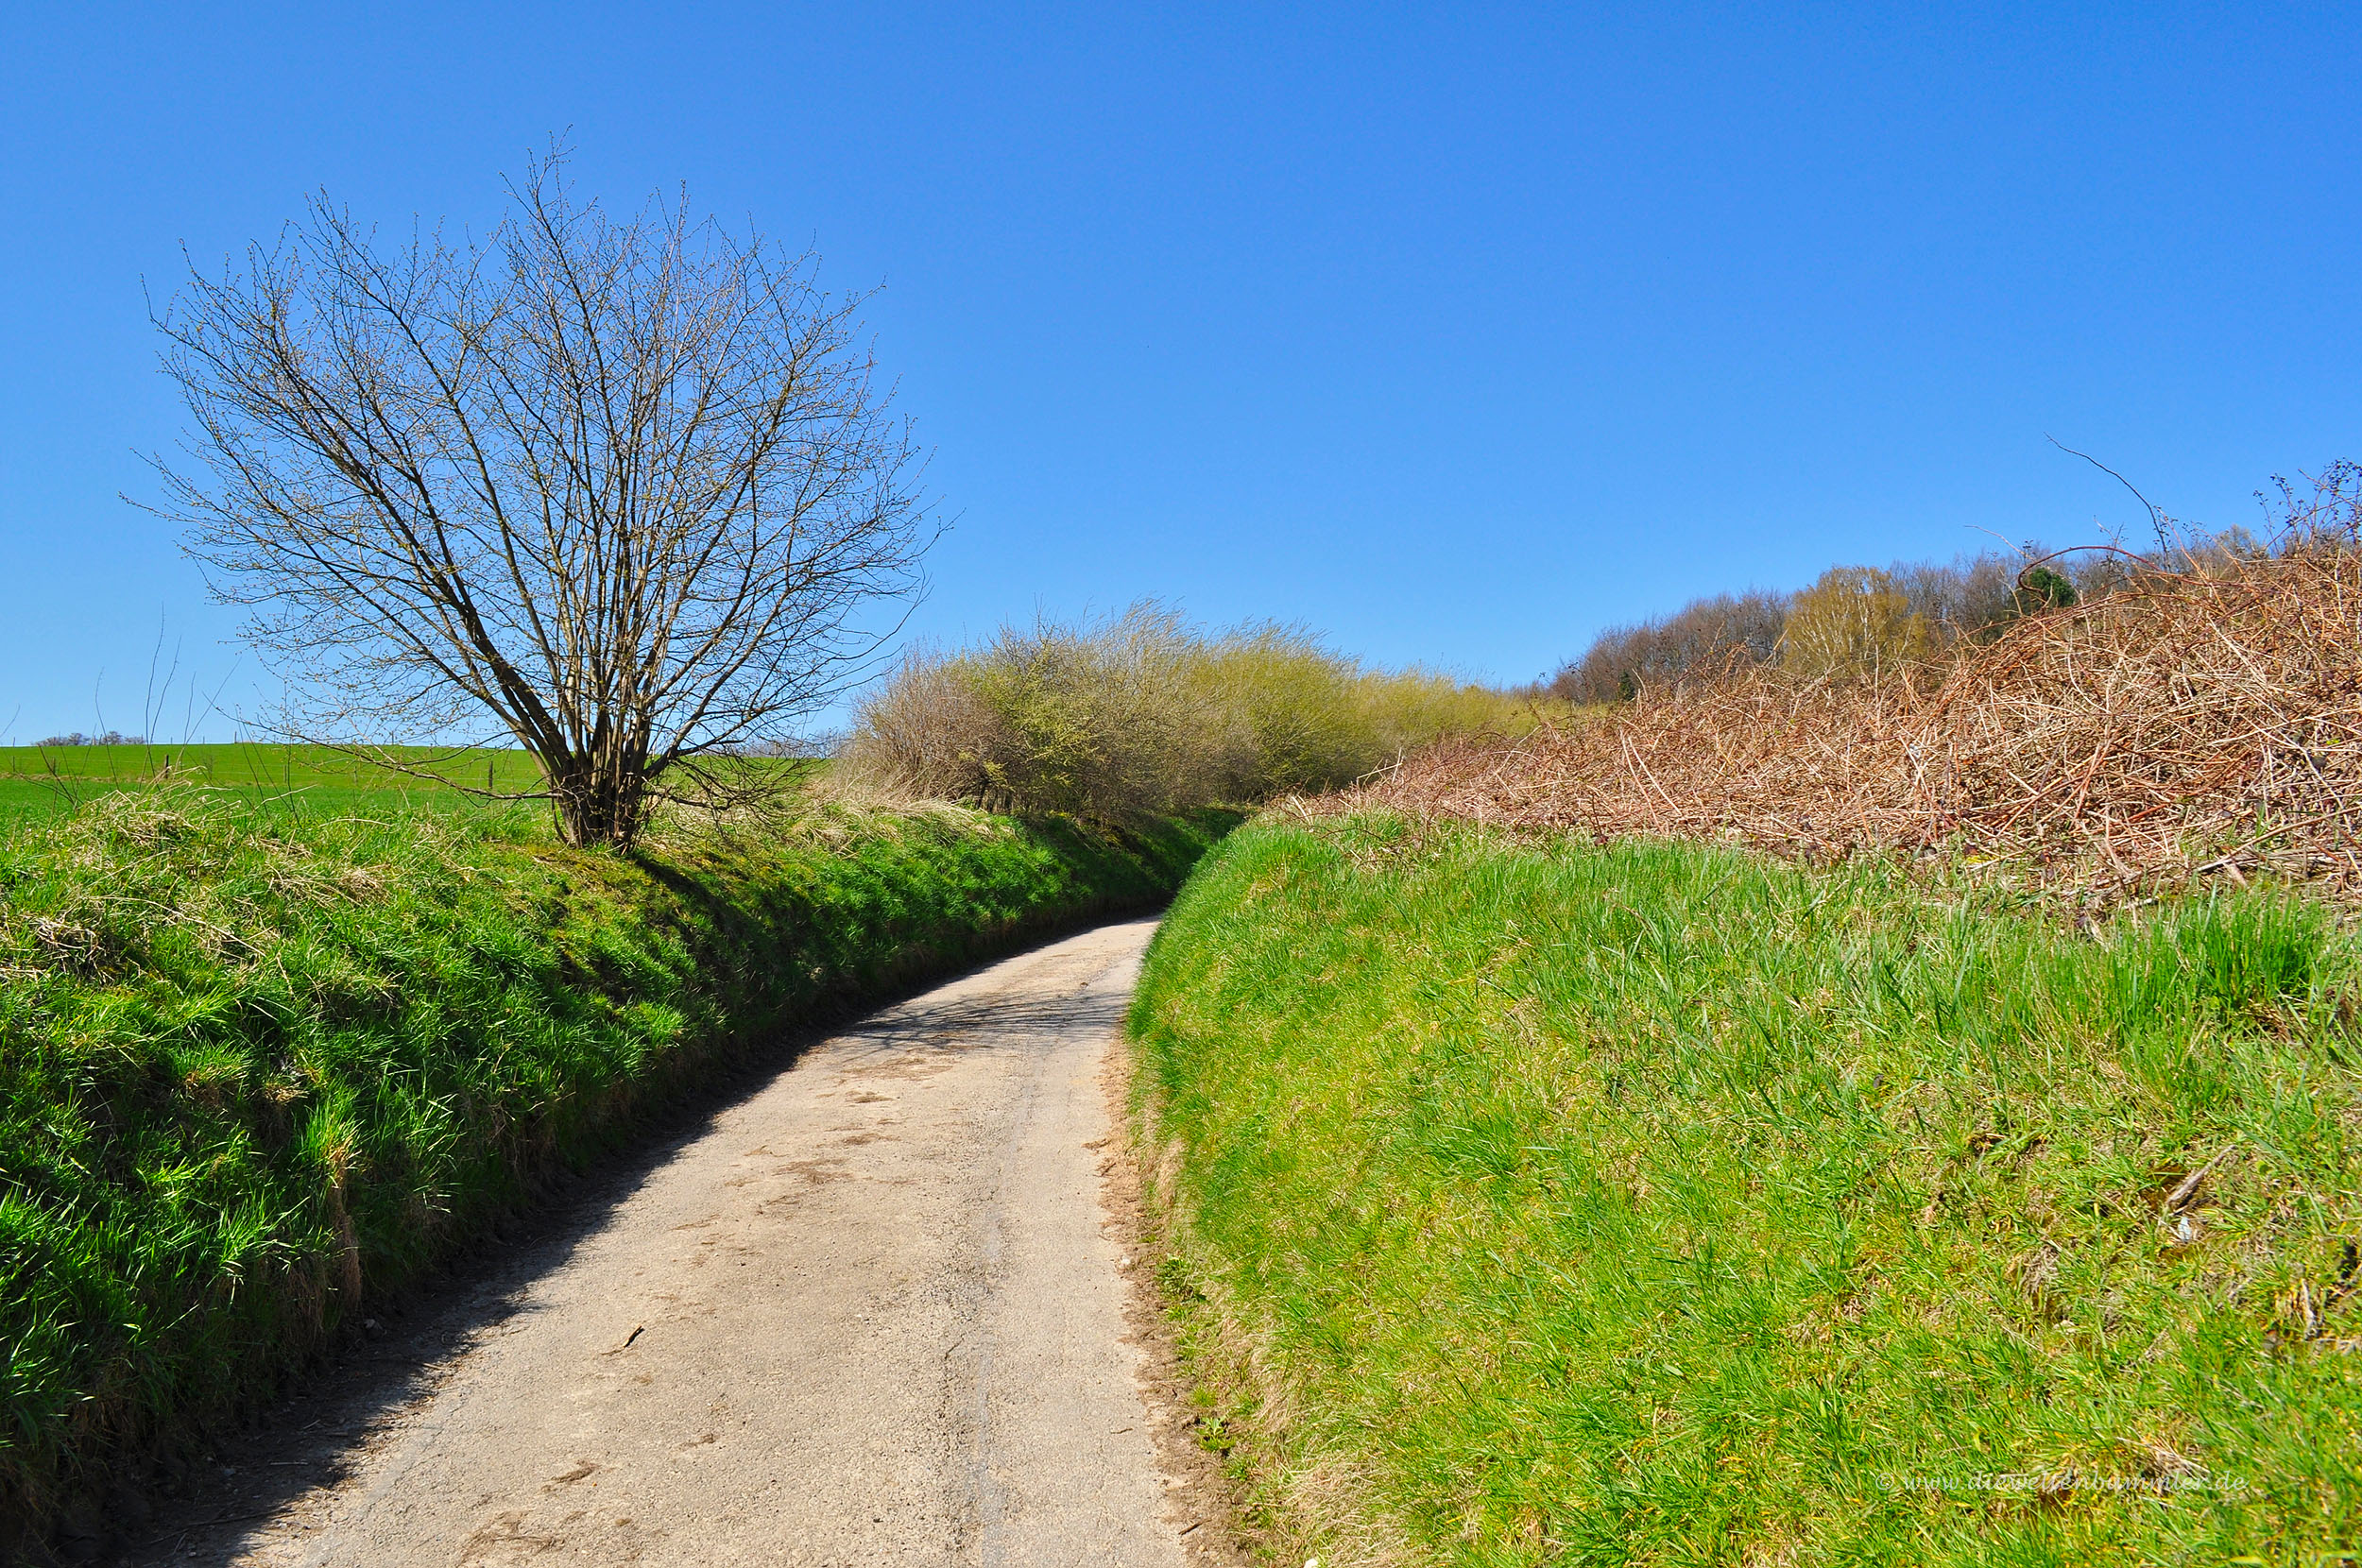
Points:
point(2188, 725)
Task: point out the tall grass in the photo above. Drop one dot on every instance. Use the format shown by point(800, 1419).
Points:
point(257, 1066)
point(1660, 1203)
point(1139, 714)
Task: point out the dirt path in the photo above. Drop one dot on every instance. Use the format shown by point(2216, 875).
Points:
point(874, 1313)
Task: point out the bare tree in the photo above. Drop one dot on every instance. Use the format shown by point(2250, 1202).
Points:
point(625, 486)
point(1704, 637)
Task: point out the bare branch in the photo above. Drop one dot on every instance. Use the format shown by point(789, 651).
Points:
point(2156, 518)
point(623, 490)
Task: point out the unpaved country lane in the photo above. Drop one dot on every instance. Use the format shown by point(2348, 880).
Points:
point(871, 1315)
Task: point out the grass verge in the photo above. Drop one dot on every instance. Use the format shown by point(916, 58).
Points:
point(256, 1066)
point(1662, 1203)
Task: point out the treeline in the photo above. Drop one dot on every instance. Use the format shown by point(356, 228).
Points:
point(1852, 617)
point(1865, 620)
point(1117, 719)
point(113, 738)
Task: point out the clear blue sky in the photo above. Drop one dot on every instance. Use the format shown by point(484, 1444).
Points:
point(1456, 332)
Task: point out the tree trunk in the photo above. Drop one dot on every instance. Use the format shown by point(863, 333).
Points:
point(599, 804)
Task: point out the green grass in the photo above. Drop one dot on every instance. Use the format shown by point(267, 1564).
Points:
point(257, 1064)
point(38, 783)
point(1658, 1203)
point(266, 765)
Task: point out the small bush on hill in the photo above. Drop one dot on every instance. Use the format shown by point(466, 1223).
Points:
point(2040, 589)
point(1104, 723)
point(1285, 713)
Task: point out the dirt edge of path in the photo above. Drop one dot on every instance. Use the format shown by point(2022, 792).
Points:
point(1218, 1534)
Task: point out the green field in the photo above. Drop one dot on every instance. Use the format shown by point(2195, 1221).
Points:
point(1658, 1204)
point(266, 765)
point(258, 1066)
point(38, 783)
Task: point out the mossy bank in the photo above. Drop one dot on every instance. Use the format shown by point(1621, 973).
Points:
point(1546, 1203)
point(257, 1065)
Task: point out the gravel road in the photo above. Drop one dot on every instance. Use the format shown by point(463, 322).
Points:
point(879, 1311)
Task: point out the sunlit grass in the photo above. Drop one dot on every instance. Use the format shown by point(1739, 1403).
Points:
point(38, 783)
point(269, 765)
point(1659, 1203)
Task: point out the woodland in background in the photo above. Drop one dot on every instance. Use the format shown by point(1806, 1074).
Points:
point(1857, 618)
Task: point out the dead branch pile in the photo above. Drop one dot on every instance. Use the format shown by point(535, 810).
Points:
point(2190, 724)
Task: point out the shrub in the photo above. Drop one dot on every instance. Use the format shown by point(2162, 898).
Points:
point(925, 731)
point(1109, 721)
point(1292, 716)
point(1140, 713)
point(1415, 708)
point(2040, 589)
point(1104, 721)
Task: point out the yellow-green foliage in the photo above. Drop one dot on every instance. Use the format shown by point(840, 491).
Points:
point(1296, 716)
point(1660, 1203)
point(1141, 713)
point(1855, 619)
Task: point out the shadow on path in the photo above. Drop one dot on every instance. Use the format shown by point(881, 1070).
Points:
point(407, 1346)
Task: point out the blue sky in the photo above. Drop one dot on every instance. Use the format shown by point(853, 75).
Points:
point(1456, 332)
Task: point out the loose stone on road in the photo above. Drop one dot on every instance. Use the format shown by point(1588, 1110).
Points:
point(873, 1313)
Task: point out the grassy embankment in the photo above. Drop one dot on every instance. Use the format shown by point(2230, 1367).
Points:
point(1666, 1203)
point(258, 1064)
